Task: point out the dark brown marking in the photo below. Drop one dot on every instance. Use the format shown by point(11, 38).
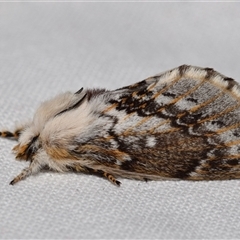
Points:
point(182, 69)
point(31, 150)
point(231, 82)
point(168, 94)
point(192, 100)
point(210, 72)
point(93, 93)
point(233, 162)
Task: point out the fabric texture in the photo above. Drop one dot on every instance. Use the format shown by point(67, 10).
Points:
point(47, 48)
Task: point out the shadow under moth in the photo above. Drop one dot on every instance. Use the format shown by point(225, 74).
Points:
point(180, 124)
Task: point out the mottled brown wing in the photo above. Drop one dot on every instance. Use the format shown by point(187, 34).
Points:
point(183, 124)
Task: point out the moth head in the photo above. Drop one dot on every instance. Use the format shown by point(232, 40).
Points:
point(30, 139)
point(28, 150)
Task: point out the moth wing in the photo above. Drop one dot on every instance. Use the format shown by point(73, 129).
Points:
point(183, 123)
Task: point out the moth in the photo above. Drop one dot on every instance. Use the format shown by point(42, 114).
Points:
point(181, 124)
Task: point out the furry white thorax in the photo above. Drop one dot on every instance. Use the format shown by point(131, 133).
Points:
point(80, 123)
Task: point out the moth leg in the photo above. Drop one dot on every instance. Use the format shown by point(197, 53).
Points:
point(146, 179)
point(12, 135)
point(110, 177)
point(33, 168)
point(79, 168)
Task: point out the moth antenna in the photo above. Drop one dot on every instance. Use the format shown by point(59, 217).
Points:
point(11, 135)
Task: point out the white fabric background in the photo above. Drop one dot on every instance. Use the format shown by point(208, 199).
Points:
point(46, 48)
